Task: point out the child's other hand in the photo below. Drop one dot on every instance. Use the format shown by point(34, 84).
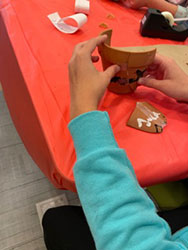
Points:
point(165, 75)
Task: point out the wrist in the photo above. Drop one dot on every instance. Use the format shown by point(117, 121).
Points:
point(76, 110)
point(154, 4)
point(184, 97)
point(148, 3)
point(184, 87)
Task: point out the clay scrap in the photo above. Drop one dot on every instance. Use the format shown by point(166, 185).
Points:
point(147, 118)
point(103, 25)
point(133, 64)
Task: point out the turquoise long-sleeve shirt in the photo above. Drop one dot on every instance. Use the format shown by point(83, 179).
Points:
point(119, 213)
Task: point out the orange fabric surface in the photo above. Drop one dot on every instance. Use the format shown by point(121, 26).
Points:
point(34, 76)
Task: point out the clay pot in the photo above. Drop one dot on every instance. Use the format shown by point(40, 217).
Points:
point(133, 63)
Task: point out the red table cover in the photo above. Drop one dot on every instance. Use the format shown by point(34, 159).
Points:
point(33, 72)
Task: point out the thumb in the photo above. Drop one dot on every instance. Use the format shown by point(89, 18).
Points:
point(110, 72)
point(152, 83)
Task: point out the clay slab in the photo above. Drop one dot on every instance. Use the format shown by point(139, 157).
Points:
point(147, 118)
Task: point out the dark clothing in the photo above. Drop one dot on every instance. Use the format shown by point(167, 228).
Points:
point(66, 228)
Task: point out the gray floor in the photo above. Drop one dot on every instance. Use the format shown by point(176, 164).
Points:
point(22, 185)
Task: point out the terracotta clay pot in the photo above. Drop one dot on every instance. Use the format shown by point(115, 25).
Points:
point(132, 63)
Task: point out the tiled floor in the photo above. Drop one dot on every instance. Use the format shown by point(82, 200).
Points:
point(22, 185)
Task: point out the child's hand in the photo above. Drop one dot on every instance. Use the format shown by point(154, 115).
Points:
point(165, 75)
point(87, 85)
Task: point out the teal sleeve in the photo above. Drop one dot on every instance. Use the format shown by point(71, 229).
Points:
point(181, 12)
point(119, 213)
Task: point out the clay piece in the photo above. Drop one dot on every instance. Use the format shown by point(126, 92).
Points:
point(103, 25)
point(110, 16)
point(147, 118)
point(133, 64)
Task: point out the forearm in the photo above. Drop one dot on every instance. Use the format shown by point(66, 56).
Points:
point(119, 213)
point(162, 5)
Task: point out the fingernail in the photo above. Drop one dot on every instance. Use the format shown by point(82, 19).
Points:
point(117, 68)
point(140, 81)
point(148, 76)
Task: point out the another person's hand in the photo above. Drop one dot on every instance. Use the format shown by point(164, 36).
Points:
point(161, 5)
point(135, 4)
point(87, 84)
point(165, 75)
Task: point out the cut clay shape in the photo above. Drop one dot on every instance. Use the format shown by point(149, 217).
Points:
point(132, 63)
point(147, 118)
